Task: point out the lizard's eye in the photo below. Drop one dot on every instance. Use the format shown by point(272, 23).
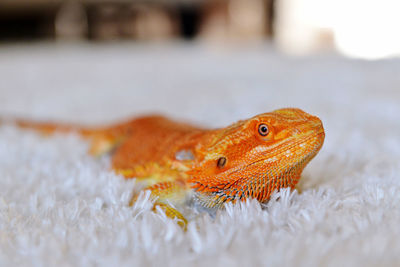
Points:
point(263, 129)
point(221, 162)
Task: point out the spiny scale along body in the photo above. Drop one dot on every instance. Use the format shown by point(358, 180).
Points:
point(180, 163)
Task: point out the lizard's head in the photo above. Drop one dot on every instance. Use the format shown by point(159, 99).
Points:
point(253, 157)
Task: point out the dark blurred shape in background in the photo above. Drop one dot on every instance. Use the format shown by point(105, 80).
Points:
point(136, 20)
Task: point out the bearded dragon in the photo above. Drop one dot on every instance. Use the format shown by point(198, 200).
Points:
point(180, 163)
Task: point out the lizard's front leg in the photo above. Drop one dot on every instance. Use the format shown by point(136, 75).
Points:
point(167, 195)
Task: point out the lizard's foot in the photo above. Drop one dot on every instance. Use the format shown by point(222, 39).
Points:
point(165, 193)
point(172, 213)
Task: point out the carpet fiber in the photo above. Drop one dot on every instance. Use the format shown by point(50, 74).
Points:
point(60, 207)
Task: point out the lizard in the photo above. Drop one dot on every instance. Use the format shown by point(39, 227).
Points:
point(181, 163)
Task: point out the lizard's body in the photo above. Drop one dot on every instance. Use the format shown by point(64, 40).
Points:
point(175, 161)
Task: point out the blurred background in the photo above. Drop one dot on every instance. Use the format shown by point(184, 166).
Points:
point(356, 28)
point(95, 61)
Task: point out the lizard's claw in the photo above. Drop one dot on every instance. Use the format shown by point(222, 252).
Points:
point(172, 213)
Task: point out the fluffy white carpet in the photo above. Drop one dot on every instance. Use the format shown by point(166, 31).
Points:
point(60, 207)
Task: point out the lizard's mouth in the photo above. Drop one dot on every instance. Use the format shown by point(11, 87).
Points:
point(288, 163)
point(292, 152)
point(264, 176)
point(302, 145)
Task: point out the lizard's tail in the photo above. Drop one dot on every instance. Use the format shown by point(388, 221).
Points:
point(46, 128)
point(102, 139)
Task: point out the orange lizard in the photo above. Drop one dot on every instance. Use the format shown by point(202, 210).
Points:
point(179, 163)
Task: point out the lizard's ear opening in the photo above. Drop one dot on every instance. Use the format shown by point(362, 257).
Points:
point(221, 162)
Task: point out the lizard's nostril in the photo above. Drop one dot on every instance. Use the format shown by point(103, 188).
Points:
point(296, 131)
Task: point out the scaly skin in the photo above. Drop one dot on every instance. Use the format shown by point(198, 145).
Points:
point(178, 162)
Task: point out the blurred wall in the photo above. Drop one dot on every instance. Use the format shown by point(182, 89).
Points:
point(357, 28)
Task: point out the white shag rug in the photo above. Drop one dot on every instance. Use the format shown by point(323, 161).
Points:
point(60, 207)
